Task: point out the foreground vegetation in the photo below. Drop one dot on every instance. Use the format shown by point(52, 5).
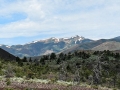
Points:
point(93, 68)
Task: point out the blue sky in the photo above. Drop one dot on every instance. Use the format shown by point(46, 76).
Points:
point(22, 21)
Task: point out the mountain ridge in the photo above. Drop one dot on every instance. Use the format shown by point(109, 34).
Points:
point(110, 45)
point(47, 46)
point(56, 45)
point(90, 45)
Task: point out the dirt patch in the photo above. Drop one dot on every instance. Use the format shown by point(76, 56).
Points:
point(39, 86)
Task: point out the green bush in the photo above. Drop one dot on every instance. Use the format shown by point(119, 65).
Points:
point(8, 82)
point(53, 80)
point(55, 89)
point(9, 89)
point(114, 89)
point(94, 87)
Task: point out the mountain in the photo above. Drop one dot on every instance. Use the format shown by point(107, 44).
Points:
point(116, 39)
point(43, 47)
point(85, 46)
point(112, 46)
point(57, 45)
point(97, 45)
point(6, 56)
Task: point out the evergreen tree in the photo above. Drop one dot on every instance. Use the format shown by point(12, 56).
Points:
point(42, 61)
point(24, 59)
point(17, 59)
point(30, 60)
point(52, 56)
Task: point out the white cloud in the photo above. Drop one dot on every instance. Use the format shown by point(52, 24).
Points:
point(83, 17)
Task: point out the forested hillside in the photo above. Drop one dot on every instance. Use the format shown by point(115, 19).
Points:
point(91, 67)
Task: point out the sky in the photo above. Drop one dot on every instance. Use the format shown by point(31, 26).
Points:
point(23, 21)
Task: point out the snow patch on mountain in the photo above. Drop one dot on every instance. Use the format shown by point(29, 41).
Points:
point(8, 46)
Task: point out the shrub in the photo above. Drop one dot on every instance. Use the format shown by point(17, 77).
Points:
point(9, 71)
point(9, 89)
point(94, 87)
point(53, 80)
point(55, 89)
point(8, 82)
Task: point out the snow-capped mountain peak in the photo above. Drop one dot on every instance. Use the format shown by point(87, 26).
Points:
point(40, 47)
point(56, 40)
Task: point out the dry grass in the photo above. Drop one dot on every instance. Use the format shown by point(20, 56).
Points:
point(37, 84)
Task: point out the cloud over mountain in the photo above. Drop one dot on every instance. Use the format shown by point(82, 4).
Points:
point(89, 18)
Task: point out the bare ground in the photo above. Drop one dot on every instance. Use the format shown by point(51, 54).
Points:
point(39, 86)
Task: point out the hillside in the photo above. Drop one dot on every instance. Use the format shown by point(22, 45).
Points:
point(5, 55)
point(112, 46)
point(80, 70)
